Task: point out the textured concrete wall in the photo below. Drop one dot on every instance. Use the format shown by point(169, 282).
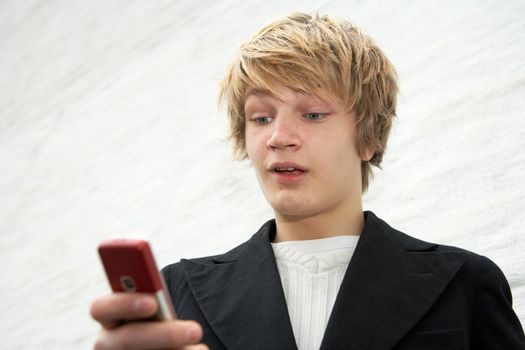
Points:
point(109, 126)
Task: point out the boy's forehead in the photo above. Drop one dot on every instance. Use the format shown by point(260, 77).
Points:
point(258, 92)
point(277, 92)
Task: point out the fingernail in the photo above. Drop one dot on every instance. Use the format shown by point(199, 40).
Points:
point(142, 304)
point(193, 333)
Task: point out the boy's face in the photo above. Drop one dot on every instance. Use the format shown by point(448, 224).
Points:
point(303, 151)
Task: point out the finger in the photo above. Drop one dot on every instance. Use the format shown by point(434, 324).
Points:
point(151, 335)
point(196, 347)
point(112, 309)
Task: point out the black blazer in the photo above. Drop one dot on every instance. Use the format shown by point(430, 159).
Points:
point(398, 293)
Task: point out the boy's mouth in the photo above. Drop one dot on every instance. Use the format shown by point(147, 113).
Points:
point(289, 170)
point(287, 167)
point(288, 173)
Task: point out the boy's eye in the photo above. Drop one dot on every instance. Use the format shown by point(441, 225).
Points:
point(314, 116)
point(263, 120)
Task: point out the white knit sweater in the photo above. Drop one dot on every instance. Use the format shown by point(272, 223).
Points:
point(311, 273)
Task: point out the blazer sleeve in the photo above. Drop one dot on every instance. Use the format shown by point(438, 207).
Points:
point(495, 324)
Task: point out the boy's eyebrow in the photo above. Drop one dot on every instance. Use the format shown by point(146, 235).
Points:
point(267, 93)
point(259, 92)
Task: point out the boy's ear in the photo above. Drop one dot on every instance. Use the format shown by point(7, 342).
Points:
point(367, 154)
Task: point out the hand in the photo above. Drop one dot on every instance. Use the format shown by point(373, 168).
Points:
point(112, 309)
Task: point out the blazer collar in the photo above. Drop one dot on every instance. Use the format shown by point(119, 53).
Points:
point(390, 283)
point(241, 296)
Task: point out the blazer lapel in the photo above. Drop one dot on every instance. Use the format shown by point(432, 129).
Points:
point(240, 293)
point(387, 288)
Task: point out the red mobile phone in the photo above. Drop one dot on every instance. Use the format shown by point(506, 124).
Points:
point(130, 267)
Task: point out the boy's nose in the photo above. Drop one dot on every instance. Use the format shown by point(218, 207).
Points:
point(285, 134)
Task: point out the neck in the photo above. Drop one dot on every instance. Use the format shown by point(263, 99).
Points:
point(323, 225)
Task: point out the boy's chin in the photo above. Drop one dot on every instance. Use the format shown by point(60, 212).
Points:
point(293, 210)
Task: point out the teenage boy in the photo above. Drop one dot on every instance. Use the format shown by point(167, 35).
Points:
point(311, 102)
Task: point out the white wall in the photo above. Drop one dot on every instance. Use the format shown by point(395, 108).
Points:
point(109, 126)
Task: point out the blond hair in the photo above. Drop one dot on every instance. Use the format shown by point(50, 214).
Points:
point(322, 56)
